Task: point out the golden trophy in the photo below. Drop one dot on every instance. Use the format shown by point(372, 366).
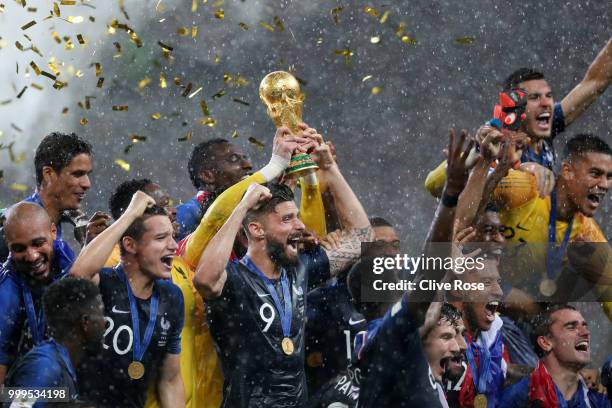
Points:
point(281, 93)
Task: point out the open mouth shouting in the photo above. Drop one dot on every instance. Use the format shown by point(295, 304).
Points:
point(491, 309)
point(595, 199)
point(543, 121)
point(293, 241)
point(166, 260)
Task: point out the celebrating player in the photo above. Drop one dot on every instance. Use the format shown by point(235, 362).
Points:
point(256, 307)
point(35, 260)
point(563, 342)
point(63, 164)
point(143, 309)
point(75, 321)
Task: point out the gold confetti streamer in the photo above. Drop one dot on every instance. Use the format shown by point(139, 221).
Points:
point(78, 73)
point(30, 9)
point(120, 108)
point(194, 93)
point(28, 25)
point(35, 67)
point(56, 10)
point(376, 90)
point(143, 83)
point(365, 78)
point(123, 164)
point(134, 38)
point(18, 187)
point(235, 134)
point(118, 47)
point(98, 68)
point(88, 101)
point(75, 19)
point(65, 111)
point(346, 52)
point(220, 14)
point(375, 39)
point(69, 45)
point(182, 31)
point(194, 6)
point(80, 39)
point(48, 75)
point(56, 37)
point(19, 46)
point(100, 82)
point(22, 91)
point(371, 11)
point(384, 17)
point(266, 26)
point(219, 94)
point(194, 31)
point(244, 26)
point(68, 2)
point(136, 138)
point(464, 40)
point(400, 29)
point(164, 46)
point(409, 40)
point(162, 80)
point(156, 116)
point(186, 138)
point(177, 81)
point(1, 8)
point(122, 9)
point(52, 67)
point(83, 121)
point(257, 143)
point(36, 86)
point(279, 23)
point(335, 13)
point(210, 122)
point(187, 89)
point(204, 108)
point(241, 102)
point(59, 84)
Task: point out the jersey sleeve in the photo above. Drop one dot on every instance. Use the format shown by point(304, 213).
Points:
point(42, 371)
point(174, 337)
point(516, 189)
point(215, 217)
point(558, 121)
point(434, 183)
point(187, 216)
point(11, 320)
point(312, 211)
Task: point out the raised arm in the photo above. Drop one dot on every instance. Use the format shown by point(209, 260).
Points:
point(170, 383)
point(441, 229)
point(595, 82)
point(210, 275)
point(355, 223)
point(94, 255)
point(223, 206)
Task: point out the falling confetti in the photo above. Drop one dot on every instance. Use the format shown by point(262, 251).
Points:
point(204, 108)
point(266, 26)
point(279, 23)
point(241, 102)
point(75, 19)
point(260, 145)
point(375, 39)
point(409, 40)
point(120, 108)
point(464, 40)
point(235, 134)
point(371, 11)
point(84, 121)
point(100, 82)
point(162, 80)
point(35, 67)
point(18, 187)
point(219, 94)
point(335, 13)
point(365, 78)
point(28, 25)
point(207, 122)
point(136, 138)
point(123, 164)
point(143, 83)
point(376, 90)
point(194, 93)
point(244, 26)
point(98, 69)
point(156, 116)
point(384, 17)
point(220, 14)
point(186, 138)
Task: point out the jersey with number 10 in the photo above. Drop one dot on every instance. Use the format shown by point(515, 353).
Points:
point(247, 328)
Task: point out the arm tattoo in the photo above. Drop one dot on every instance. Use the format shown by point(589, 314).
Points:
point(350, 248)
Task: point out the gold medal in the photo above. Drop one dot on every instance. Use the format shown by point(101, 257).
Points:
point(548, 287)
point(287, 346)
point(136, 370)
point(480, 401)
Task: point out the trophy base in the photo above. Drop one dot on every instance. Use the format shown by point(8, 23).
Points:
point(300, 165)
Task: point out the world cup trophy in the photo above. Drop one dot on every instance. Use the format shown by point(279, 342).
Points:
point(281, 93)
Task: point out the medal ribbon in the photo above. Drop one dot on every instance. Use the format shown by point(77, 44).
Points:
point(286, 313)
point(554, 255)
point(36, 323)
point(480, 374)
point(140, 347)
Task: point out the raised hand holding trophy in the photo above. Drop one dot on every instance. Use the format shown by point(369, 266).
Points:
point(281, 93)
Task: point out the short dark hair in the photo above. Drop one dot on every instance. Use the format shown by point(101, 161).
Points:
point(280, 193)
point(542, 321)
point(450, 313)
point(521, 75)
point(379, 222)
point(585, 143)
point(57, 150)
point(65, 301)
point(201, 160)
point(137, 228)
point(121, 197)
